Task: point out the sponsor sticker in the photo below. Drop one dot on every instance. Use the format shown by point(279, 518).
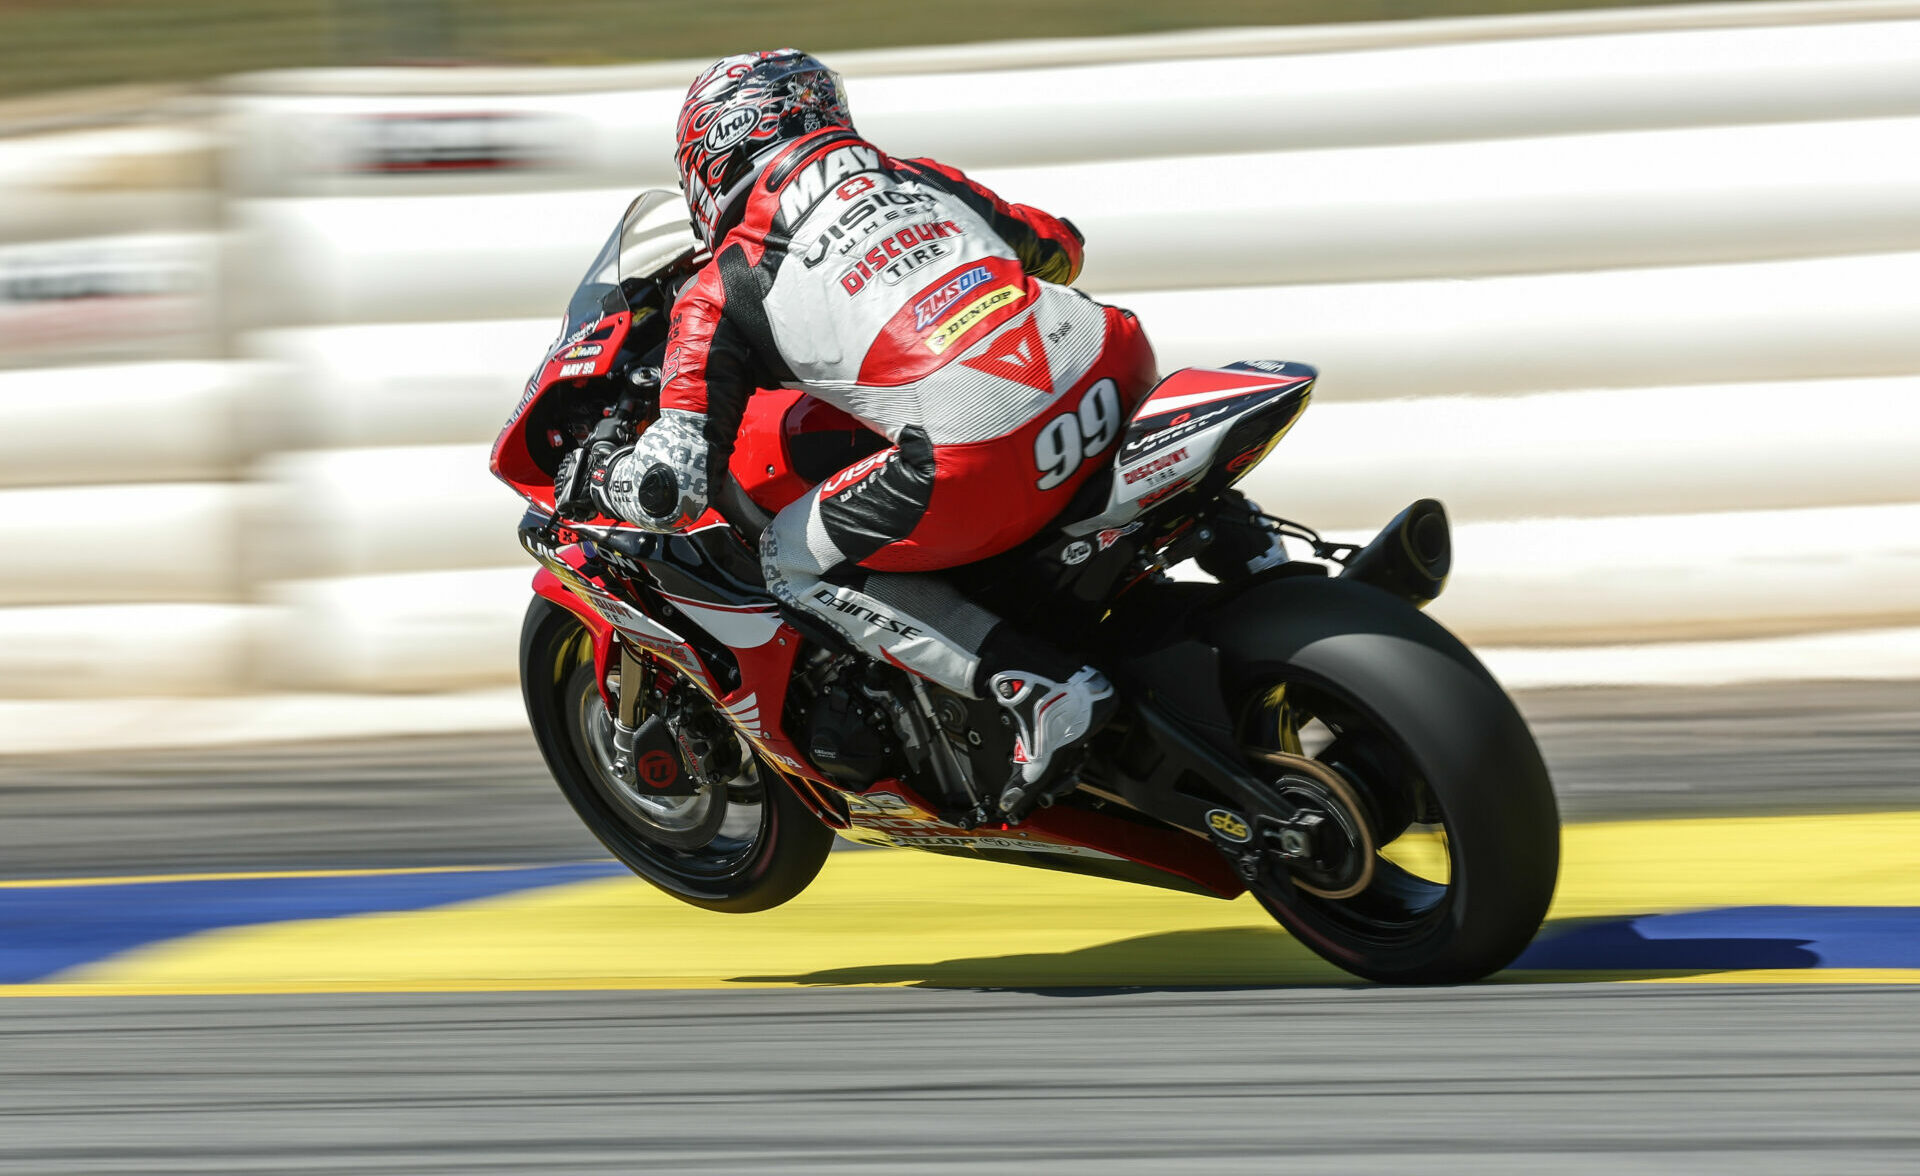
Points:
point(583, 351)
point(970, 316)
point(1140, 444)
point(811, 184)
point(870, 214)
point(1077, 552)
point(657, 769)
point(1113, 535)
point(732, 129)
point(1148, 469)
point(916, 244)
point(854, 473)
point(929, 309)
point(1228, 826)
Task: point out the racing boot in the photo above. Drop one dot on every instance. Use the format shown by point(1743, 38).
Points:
point(1052, 720)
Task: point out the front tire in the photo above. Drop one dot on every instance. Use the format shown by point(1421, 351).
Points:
point(1442, 766)
point(747, 846)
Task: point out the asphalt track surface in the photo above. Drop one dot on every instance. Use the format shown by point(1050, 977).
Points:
point(443, 801)
point(1323, 1077)
point(1569, 1079)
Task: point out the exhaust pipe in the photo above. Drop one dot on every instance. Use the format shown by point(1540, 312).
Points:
point(1411, 555)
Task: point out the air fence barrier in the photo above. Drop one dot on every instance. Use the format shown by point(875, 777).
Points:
point(1636, 292)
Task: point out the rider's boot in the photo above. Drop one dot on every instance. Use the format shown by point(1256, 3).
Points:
point(1052, 720)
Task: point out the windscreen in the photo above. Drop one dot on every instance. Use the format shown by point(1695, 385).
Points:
point(653, 234)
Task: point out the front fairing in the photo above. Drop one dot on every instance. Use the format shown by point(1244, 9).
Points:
point(614, 320)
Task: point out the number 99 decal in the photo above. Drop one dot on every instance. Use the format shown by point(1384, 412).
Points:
point(1072, 437)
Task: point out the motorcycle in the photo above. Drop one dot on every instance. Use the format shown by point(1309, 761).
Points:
point(1303, 732)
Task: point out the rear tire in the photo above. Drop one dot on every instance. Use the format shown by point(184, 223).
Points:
point(1428, 738)
point(746, 847)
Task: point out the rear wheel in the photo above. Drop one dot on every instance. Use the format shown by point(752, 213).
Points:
point(1437, 843)
point(747, 845)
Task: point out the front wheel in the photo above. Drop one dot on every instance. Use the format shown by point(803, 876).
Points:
point(745, 846)
point(1437, 843)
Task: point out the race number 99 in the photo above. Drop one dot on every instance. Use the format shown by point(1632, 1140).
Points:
point(1072, 437)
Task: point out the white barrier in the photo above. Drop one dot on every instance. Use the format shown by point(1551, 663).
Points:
point(1522, 583)
point(400, 383)
point(1765, 321)
point(980, 112)
point(126, 650)
point(150, 422)
point(106, 182)
point(1454, 209)
point(1568, 202)
point(1613, 452)
point(1705, 238)
point(419, 259)
point(139, 296)
point(337, 513)
point(84, 544)
point(1824, 318)
point(1666, 577)
point(418, 631)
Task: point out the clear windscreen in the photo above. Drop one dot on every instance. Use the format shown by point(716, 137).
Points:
point(652, 235)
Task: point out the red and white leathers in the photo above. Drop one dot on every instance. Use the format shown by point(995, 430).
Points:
point(937, 314)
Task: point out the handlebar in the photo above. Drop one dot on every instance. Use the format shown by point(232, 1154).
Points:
point(730, 499)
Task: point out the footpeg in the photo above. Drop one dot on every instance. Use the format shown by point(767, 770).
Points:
point(1019, 798)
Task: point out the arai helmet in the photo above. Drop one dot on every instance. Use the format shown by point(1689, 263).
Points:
point(736, 113)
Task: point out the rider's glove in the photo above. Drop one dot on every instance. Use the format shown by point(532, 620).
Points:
point(662, 483)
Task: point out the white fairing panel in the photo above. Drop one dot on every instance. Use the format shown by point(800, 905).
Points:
point(1175, 434)
point(736, 627)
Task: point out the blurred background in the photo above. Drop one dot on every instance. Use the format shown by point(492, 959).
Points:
point(1631, 288)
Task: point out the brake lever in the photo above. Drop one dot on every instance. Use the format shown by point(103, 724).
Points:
point(567, 499)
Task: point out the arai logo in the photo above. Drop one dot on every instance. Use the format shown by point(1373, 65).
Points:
point(732, 127)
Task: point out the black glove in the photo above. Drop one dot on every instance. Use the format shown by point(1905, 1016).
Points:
point(580, 484)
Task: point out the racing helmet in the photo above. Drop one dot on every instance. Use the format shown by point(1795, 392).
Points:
point(736, 113)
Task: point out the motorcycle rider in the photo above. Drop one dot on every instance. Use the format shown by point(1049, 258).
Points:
point(934, 312)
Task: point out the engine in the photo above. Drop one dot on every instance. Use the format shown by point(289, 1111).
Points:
point(849, 735)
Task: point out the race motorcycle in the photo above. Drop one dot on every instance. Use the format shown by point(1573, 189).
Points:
point(1303, 732)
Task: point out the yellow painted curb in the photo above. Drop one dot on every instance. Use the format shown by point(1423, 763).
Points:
point(902, 918)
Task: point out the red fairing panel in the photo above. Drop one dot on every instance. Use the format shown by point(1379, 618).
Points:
point(552, 587)
point(778, 419)
point(583, 356)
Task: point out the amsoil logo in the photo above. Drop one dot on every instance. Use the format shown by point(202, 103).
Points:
point(928, 310)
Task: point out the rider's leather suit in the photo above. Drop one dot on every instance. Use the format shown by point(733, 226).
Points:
point(937, 314)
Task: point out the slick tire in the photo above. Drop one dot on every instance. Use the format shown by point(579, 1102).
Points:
point(1448, 725)
point(767, 854)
